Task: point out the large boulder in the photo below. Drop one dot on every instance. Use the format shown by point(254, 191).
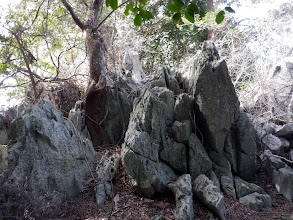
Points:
point(283, 181)
point(275, 144)
point(49, 154)
point(256, 201)
point(216, 104)
point(210, 195)
point(145, 138)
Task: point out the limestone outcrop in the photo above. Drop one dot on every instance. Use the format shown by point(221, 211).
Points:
point(48, 154)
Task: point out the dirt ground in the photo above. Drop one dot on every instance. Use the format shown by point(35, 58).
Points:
point(128, 204)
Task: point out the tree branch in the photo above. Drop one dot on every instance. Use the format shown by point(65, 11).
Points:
point(100, 24)
point(73, 15)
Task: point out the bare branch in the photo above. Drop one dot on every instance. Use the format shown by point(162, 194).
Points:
point(73, 15)
point(37, 14)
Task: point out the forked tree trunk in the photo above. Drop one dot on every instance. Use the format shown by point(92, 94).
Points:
point(96, 95)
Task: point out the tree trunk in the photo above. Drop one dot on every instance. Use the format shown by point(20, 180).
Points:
point(96, 94)
point(210, 7)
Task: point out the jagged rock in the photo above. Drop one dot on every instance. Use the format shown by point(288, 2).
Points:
point(173, 85)
point(216, 104)
point(271, 163)
point(271, 128)
point(258, 124)
point(222, 165)
point(3, 137)
point(230, 151)
point(105, 172)
point(182, 107)
point(148, 176)
point(77, 118)
point(207, 193)
point(152, 112)
point(244, 188)
point(3, 160)
point(276, 145)
point(176, 156)
point(183, 194)
point(182, 131)
point(118, 108)
point(256, 201)
point(286, 131)
point(49, 155)
point(133, 66)
point(227, 183)
point(213, 177)
point(283, 181)
point(246, 147)
point(199, 161)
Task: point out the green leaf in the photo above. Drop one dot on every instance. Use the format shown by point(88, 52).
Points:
point(135, 10)
point(176, 17)
point(178, 2)
point(173, 8)
point(220, 17)
point(193, 8)
point(229, 9)
point(114, 4)
point(108, 3)
point(128, 7)
point(190, 11)
point(148, 15)
point(137, 20)
point(189, 17)
point(142, 13)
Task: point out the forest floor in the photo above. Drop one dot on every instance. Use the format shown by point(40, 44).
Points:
point(131, 205)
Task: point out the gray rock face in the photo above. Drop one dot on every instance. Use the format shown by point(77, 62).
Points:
point(182, 131)
point(145, 136)
point(256, 201)
point(271, 163)
point(244, 188)
point(286, 131)
point(222, 165)
point(209, 195)
point(199, 161)
point(50, 154)
point(230, 151)
point(183, 107)
point(216, 103)
point(246, 147)
point(183, 194)
point(3, 159)
point(276, 145)
point(118, 109)
point(176, 156)
point(283, 181)
point(77, 118)
point(133, 66)
point(105, 172)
